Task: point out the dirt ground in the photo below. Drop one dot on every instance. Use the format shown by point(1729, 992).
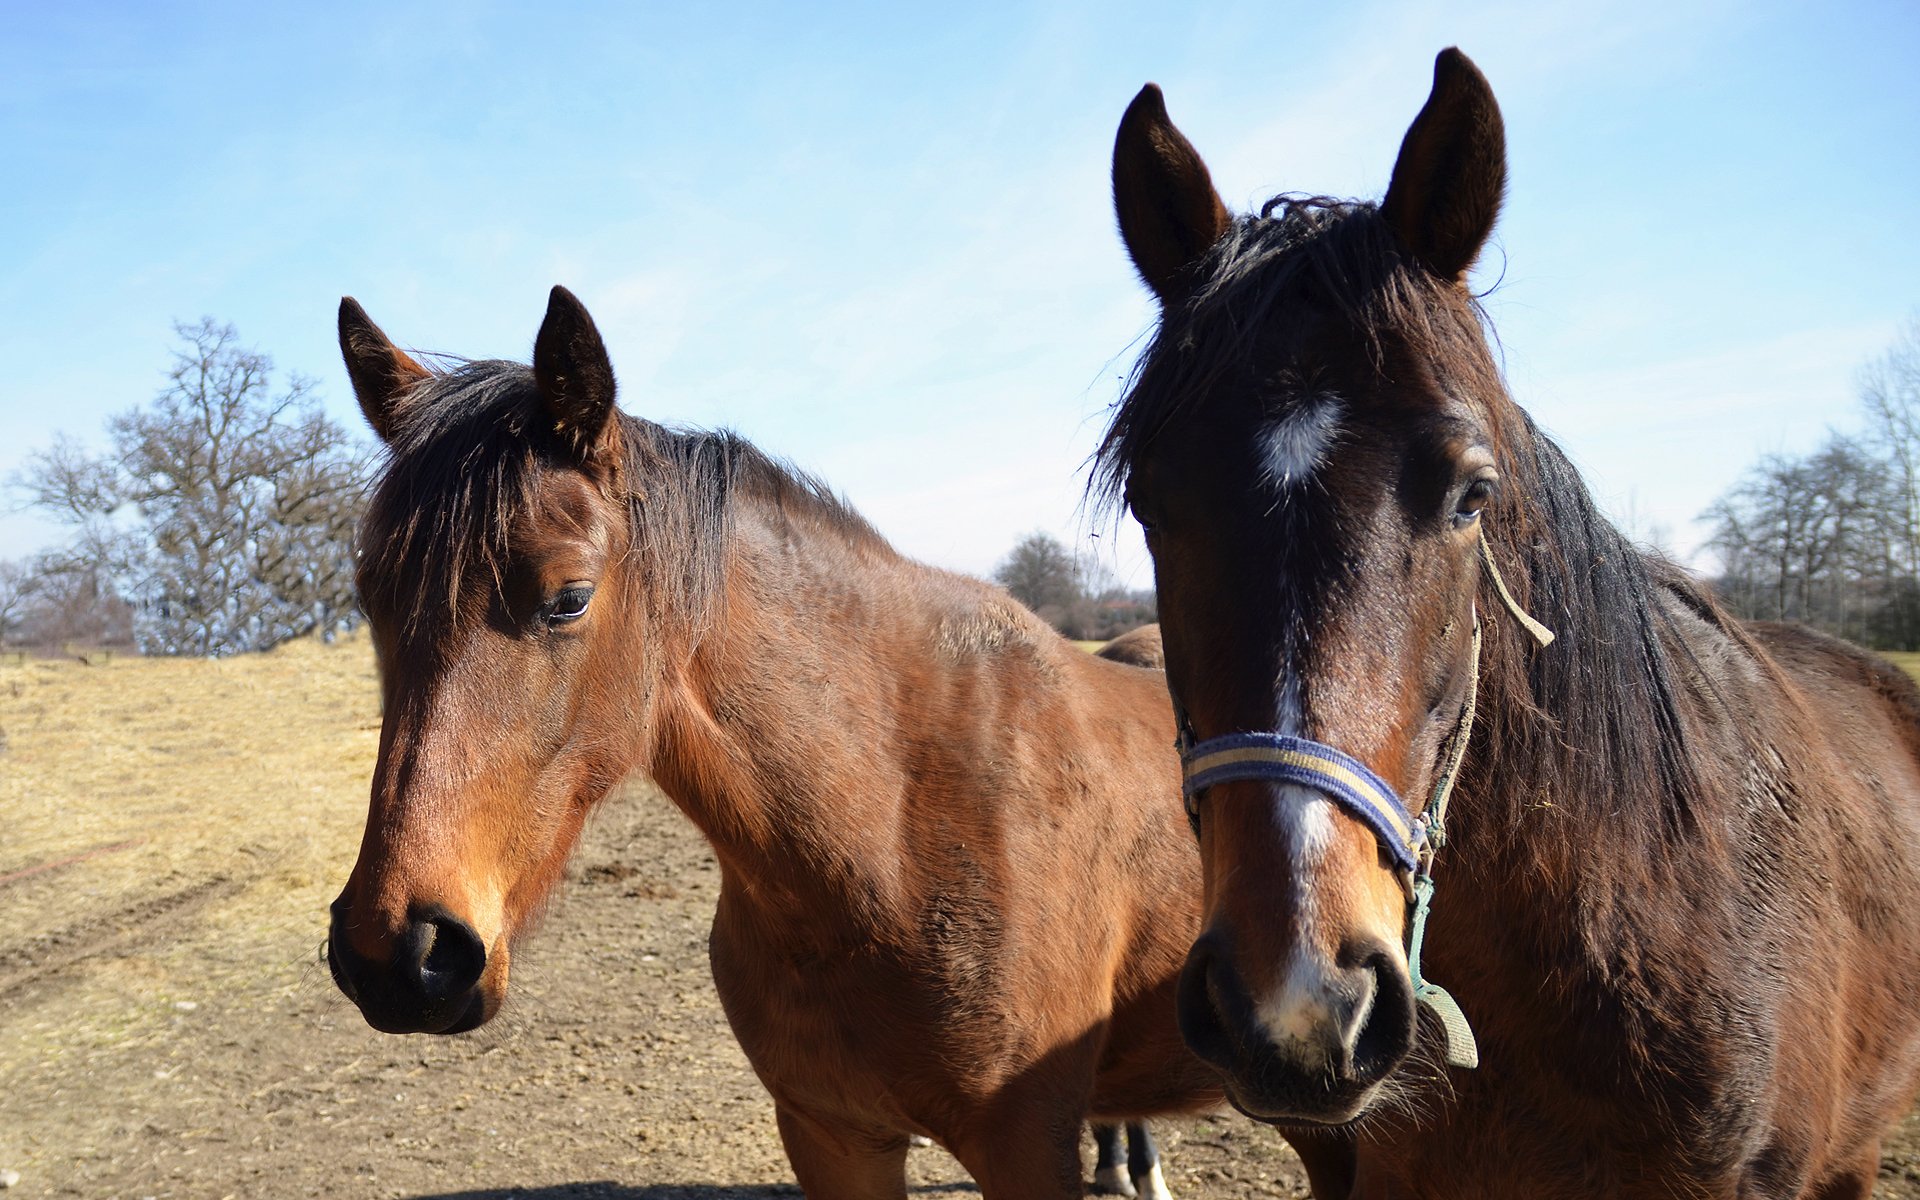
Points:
point(173, 831)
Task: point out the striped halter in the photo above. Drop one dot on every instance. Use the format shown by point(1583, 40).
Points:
point(1409, 840)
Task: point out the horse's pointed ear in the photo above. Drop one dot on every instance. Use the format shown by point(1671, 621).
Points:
point(1452, 170)
point(1170, 215)
point(381, 372)
point(575, 376)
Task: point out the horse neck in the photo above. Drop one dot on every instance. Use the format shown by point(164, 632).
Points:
point(1577, 817)
point(781, 733)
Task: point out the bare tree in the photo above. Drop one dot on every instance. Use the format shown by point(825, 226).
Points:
point(1890, 396)
point(1077, 596)
point(17, 593)
point(60, 597)
point(1041, 573)
point(1807, 539)
point(225, 508)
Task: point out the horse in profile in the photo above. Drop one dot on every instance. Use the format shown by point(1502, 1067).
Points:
point(1670, 909)
point(955, 885)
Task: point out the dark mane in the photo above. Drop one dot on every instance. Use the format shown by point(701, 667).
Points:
point(1599, 712)
point(467, 457)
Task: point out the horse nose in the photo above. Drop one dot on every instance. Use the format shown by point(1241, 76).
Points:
point(1383, 1036)
point(1316, 1046)
point(427, 986)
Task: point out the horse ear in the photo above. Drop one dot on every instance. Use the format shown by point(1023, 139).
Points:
point(1170, 215)
point(381, 372)
point(575, 376)
point(1452, 170)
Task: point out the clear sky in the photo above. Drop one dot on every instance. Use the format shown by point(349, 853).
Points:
point(877, 239)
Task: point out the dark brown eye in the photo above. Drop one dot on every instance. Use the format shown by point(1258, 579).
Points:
point(569, 604)
point(1133, 506)
point(1478, 493)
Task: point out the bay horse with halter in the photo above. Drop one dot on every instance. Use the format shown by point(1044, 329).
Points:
point(955, 886)
point(1674, 922)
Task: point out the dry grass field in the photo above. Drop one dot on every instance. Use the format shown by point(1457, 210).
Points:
point(174, 830)
point(1908, 662)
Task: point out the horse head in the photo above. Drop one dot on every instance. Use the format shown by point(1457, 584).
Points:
point(1311, 449)
point(492, 574)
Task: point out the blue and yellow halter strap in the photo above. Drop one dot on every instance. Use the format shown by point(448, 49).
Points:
point(1279, 758)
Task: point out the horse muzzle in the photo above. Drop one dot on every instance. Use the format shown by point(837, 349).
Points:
point(1316, 1052)
point(432, 982)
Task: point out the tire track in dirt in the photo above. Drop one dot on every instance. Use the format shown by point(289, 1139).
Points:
point(61, 864)
point(44, 957)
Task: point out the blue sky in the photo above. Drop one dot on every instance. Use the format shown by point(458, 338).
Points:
point(877, 239)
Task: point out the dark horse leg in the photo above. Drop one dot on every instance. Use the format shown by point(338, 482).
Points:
point(1110, 1174)
point(1143, 1163)
point(843, 1165)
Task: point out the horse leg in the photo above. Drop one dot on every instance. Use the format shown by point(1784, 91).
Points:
point(1143, 1163)
point(1854, 1184)
point(1329, 1160)
point(1109, 1172)
point(843, 1164)
point(1025, 1148)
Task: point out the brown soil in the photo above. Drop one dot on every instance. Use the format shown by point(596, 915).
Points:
point(173, 833)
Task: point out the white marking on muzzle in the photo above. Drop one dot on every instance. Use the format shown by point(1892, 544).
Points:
point(1301, 1013)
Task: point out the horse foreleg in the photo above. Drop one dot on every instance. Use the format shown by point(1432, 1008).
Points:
point(1855, 1184)
point(1329, 1160)
point(1143, 1163)
point(1110, 1164)
point(843, 1164)
point(1024, 1148)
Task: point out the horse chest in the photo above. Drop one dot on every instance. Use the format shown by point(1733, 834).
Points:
point(1563, 1147)
point(845, 1025)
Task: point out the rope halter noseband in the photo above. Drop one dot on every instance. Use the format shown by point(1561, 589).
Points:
point(1409, 841)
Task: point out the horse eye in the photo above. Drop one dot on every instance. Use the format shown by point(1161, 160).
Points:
point(1133, 506)
point(1476, 497)
point(570, 604)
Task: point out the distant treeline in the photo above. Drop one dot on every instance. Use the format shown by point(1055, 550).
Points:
point(1832, 538)
point(220, 518)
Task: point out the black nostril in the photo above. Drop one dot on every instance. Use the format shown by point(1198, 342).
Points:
point(338, 962)
point(1207, 985)
point(1386, 1034)
point(444, 955)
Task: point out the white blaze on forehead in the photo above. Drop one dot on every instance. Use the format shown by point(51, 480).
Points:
point(1297, 444)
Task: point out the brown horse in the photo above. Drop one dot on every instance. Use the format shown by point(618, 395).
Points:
point(956, 890)
point(1676, 900)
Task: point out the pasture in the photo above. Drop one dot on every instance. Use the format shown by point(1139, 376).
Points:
point(175, 829)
